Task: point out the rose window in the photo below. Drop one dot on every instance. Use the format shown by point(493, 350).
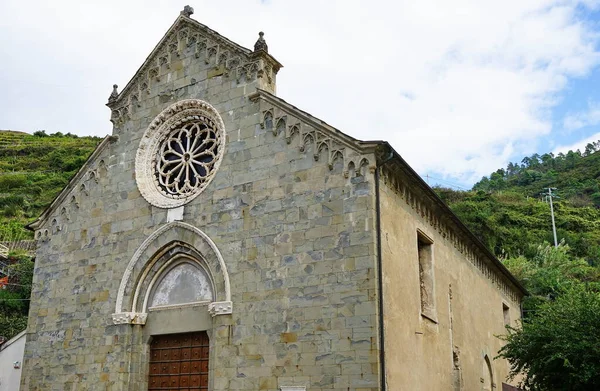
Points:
point(180, 153)
point(186, 158)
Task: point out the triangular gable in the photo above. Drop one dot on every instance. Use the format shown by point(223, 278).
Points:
point(189, 33)
point(58, 200)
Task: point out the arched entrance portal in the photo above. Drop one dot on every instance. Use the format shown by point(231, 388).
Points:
point(174, 287)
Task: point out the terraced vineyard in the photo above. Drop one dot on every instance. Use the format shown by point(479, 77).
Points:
point(33, 170)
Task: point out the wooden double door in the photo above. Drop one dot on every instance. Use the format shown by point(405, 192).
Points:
point(179, 362)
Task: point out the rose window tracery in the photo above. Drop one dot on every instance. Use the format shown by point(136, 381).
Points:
point(180, 153)
point(186, 158)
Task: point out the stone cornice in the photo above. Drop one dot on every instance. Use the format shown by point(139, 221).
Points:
point(421, 198)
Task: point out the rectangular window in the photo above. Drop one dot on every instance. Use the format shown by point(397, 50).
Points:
point(426, 278)
point(506, 312)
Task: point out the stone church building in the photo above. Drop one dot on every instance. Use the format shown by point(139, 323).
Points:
point(223, 239)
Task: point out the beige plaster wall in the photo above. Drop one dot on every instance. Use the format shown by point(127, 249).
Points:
point(418, 351)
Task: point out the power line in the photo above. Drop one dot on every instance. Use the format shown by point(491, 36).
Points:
point(1, 300)
point(451, 184)
point(5, 266)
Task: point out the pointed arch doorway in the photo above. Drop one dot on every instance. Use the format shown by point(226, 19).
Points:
point(175, 294)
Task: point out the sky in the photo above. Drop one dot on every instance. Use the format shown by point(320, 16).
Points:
point(459, 88)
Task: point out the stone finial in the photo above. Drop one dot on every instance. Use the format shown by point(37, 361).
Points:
point(187, 11)
point(114, 94)
point(261, 44)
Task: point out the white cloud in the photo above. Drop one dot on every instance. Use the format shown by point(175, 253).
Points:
point(580, 144)
point(582, 119)
point(457, 87)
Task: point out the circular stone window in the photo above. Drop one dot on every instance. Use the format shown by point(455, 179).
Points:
point(180, 153)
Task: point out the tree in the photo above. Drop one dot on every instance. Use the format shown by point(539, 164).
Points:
point(550, 272)
point(14, 298)
point(512, 169)
point(548, 160)
point(589, 149)
point(40, 133)
point(557, 345)
point(558, 348)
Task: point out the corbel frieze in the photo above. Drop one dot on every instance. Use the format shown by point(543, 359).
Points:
point(310, 137)
point(60, 218)
point(447, 231)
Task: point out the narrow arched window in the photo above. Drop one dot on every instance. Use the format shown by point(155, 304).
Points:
point(488, 375)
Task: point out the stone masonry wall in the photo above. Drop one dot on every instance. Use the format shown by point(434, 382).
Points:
point(296, 233)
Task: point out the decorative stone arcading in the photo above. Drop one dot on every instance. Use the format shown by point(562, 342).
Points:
point(220, 308)
point(321, 140)
point(188, 37)
point(150, 173)
point(60, 218)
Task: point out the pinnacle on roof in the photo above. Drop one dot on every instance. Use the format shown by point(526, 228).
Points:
point(261, 44)
point(114, 94)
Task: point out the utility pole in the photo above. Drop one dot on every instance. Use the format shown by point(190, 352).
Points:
point(549, 196)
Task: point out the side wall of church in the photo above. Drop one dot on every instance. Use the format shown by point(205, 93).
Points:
point(296, 235)
point(445, 347)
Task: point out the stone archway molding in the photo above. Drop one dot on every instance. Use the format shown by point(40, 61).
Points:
point(122, 316)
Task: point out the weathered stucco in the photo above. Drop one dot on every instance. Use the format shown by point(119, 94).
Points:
point(447, 352)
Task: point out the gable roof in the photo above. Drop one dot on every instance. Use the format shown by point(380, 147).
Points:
point(387, 154)
point(14, 339)
point(184, 25)
point(37, 223)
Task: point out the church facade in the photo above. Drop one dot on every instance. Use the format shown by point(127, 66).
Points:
point(223, 239)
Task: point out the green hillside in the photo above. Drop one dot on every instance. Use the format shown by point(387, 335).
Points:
point(33, 170)
point(509, 213)
point(506, 210)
